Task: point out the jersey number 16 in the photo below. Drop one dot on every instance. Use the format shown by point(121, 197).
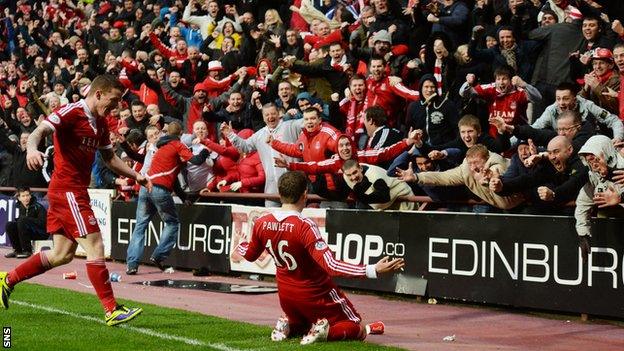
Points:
point(284, 257)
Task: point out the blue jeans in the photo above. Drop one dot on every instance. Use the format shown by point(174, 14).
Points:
point(161, 201)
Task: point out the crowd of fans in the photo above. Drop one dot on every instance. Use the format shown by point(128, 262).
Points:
point(516, 103)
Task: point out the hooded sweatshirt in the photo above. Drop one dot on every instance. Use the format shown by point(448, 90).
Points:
point(599, 146)
point(436, 116)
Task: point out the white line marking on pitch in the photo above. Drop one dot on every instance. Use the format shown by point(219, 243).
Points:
point(150, 332)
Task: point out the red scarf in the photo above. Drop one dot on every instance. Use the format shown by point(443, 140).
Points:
point(605, 77)
point(621, 96)
point(437, 74)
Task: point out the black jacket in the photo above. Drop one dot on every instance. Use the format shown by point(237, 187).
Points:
point(437, 117)
point(566, 185)
point(34, 211)
point(20, 174)
point(541, 137)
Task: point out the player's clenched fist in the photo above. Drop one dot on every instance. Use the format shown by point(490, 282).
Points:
point(34, 159)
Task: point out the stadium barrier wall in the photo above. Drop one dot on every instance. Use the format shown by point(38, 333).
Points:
point(8, 212)
point(514, 260)
point(204, 239)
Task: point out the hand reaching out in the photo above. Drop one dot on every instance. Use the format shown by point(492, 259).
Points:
point(386, 265)
point(280, 162)
point(607, 198)
point(226, 129)
point(406, 175)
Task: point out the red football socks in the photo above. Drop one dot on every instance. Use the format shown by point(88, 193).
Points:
point(33, 266)
point(98, 275)
point(346, 330)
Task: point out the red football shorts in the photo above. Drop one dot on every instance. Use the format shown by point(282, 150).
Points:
point(335, 306)
point(70, 214)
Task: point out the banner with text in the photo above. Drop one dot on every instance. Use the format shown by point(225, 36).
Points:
point(525, 261)
point(203, 241)
point(365, 237)
point(8, 212)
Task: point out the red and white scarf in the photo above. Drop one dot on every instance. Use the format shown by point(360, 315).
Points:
point(437, 74)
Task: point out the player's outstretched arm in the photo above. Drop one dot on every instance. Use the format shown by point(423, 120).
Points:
point(386, 265)
point(34, 157)
point(120, 167)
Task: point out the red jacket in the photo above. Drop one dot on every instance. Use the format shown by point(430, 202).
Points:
point(312, 146)
point(334, 164)
point(146, 95)
point(167, 162)
point(380, 93)
point(225, 165)
point(250, 173)
point(214, 87)
point(167, 51)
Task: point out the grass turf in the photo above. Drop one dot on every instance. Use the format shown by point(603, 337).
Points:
point(45, 318)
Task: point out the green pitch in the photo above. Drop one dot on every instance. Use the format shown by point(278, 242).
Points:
point(44, 318)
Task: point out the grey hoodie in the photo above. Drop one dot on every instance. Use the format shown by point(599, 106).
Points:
point(598, 145)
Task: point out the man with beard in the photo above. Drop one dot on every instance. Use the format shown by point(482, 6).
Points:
point(566, 99)
point(553, 183)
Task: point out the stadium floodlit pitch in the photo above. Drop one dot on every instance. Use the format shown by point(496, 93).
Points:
point(44, 318)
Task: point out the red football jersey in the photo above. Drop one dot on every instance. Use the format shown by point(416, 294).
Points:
point(511, 106)
point(77, 136)
point(304, 262)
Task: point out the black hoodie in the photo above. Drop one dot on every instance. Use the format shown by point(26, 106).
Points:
point(437, 117)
